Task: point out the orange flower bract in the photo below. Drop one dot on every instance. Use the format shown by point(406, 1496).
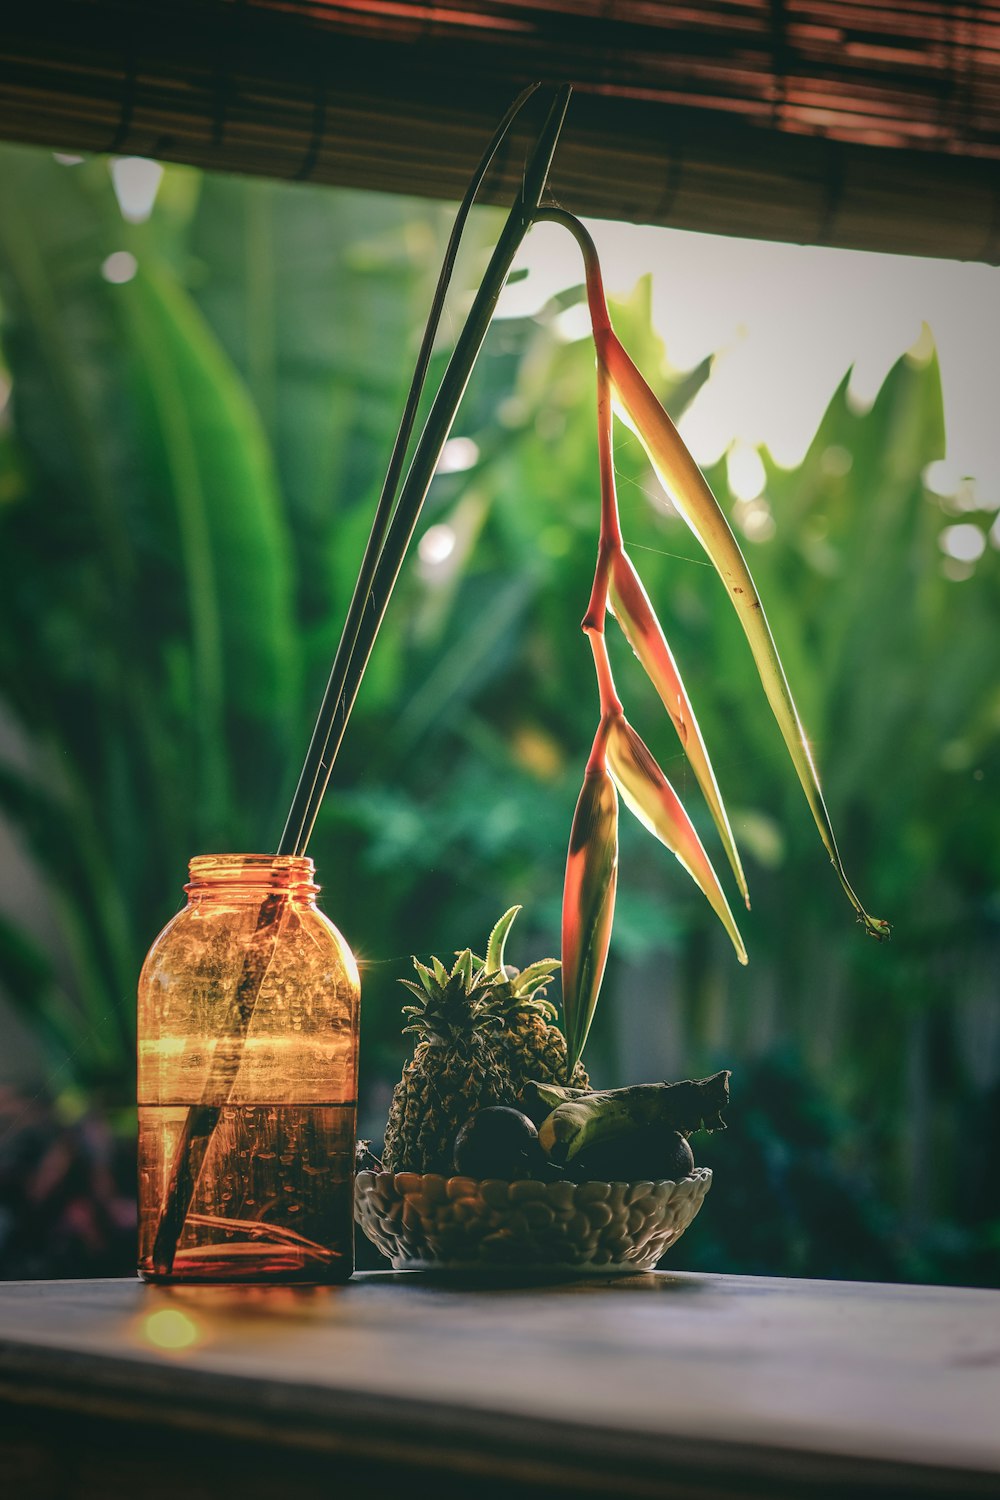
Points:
point(687, 487)
point(649, 795)
point(588, 905)
point(629, 603)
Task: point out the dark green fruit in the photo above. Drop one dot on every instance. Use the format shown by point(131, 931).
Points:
point(536, 1109)
point(650, 1154)
point(498, 1142)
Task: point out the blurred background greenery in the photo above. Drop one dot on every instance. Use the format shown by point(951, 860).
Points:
point(196, 409)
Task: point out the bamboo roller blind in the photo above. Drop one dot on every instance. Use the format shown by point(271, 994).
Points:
point(826, 121)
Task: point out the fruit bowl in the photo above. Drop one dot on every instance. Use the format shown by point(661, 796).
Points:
point(432, 1223)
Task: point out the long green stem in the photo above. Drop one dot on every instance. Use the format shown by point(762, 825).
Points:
point(337, 707)
point(332, 718)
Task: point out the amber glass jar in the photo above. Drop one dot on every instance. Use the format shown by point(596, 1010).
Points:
point(248, 1062)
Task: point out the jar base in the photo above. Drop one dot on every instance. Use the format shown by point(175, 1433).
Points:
point(260, 1264)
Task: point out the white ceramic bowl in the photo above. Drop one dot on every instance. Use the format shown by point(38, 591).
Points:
point(432, 1223)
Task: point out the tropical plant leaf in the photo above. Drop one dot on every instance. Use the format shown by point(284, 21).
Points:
point(649, 795)
point(30, 985)
point(217, 473)
point(319, 310)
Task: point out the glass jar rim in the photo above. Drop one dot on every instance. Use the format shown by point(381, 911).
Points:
point(259, 872)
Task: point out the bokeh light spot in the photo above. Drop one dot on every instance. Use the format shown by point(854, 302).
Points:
point(457, 455)
point(170, 1329)
point(754, 519)
point(836, 461)
point(120, 266)
point(745, 468)
point(965, 543)
point(136, 182)
point(436, 545)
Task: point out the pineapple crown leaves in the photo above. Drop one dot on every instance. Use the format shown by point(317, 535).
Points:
point(498, 940)
point(451, 1008)
point(518, 991)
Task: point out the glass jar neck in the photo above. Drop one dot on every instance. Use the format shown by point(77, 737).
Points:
point(229, 877)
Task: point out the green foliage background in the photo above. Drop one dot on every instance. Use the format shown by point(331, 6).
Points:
point(188, 466)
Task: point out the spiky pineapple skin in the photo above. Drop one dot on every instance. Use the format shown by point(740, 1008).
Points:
point(529, 1047)
point(454, 1070)
point(439, 1090)
point(484, 1030)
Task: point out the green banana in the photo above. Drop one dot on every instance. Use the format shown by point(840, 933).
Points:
point(582, 1119)
point(538, 1100)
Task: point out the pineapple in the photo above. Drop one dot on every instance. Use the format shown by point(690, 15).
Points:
point(530, 1044)
point(454, 1070)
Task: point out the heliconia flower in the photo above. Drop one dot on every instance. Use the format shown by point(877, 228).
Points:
point(630, 606)
point(649, 795)
point(588, 904)
point(688, 489)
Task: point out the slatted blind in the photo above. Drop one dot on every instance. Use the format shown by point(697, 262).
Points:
point(826, 121)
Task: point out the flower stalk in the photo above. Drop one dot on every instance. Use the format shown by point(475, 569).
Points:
point(392, 528)
point(618, 752)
